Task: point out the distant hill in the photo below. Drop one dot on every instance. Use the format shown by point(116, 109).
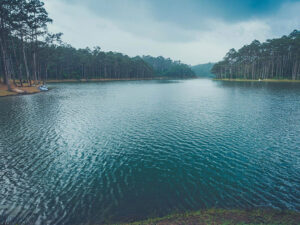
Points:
point(165, 67)
point(203, 70)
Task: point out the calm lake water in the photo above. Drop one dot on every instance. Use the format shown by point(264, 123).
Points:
point(90, 153)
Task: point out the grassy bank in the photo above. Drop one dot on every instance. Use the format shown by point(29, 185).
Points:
point(265, 80)
point(222, 216)
point(16, 90)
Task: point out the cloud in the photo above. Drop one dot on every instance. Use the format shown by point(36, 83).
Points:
point(286, 19)
point(139, 28)
point(182, 13)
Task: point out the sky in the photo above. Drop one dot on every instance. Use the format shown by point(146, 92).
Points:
point(192, 31)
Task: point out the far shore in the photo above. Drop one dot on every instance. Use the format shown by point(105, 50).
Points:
point(26, 89)
point(110, 79)
point(261, 80)
point(93, 80)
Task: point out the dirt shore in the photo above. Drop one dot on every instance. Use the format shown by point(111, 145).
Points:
point(17, 90)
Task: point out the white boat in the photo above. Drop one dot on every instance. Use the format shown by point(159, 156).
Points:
point(43, 88)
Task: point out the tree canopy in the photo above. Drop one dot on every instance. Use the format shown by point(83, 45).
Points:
point(165, 67)
point(274, 59)
point(29, 52)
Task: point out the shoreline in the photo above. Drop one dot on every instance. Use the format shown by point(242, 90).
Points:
point(265, 80)
point(110, 79)
point(94, 80)
point(226, 216)
point(15, 90)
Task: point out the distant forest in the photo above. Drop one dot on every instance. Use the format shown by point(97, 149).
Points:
point(203, 70)
point(30, 53)
point(167, 68)
point(274, 59)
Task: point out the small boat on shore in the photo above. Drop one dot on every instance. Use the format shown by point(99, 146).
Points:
point(43, 88)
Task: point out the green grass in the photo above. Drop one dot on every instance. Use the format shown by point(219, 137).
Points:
point(222, 217)
point(265, 80)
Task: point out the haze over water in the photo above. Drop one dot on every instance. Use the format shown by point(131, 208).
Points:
point(117, 151)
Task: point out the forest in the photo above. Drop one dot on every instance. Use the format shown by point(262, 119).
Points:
point(168, 68)
point(203, 70)
point(277, 58)
point(31, 54)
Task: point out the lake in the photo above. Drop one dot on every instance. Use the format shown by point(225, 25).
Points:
point(92, 153)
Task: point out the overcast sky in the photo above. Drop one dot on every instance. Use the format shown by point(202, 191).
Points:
point(193, 31)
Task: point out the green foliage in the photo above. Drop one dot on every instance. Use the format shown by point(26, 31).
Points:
point(274, 59)
point(94, 64)
point(30, 52)
point(23, 22)
point(168, 68)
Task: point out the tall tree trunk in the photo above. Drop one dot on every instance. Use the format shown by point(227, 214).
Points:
point(11, 70)
point(34, 67)
point(17, 62)
point(25, 63)
point(5, 64)
point(20, 73)
point(46, 74)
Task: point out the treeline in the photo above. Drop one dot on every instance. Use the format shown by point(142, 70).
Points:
point(165, 67)
point(22, 24)
point(66, 62)
point(274, 59)
point(29, 53)
point(203, 70)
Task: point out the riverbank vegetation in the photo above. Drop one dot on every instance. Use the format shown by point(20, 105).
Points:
point(29, 53)
point(16, 89)
point(222, 216)
point(274, 59)
point(259, 80)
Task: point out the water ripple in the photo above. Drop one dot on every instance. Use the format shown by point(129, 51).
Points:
point(103, 152)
